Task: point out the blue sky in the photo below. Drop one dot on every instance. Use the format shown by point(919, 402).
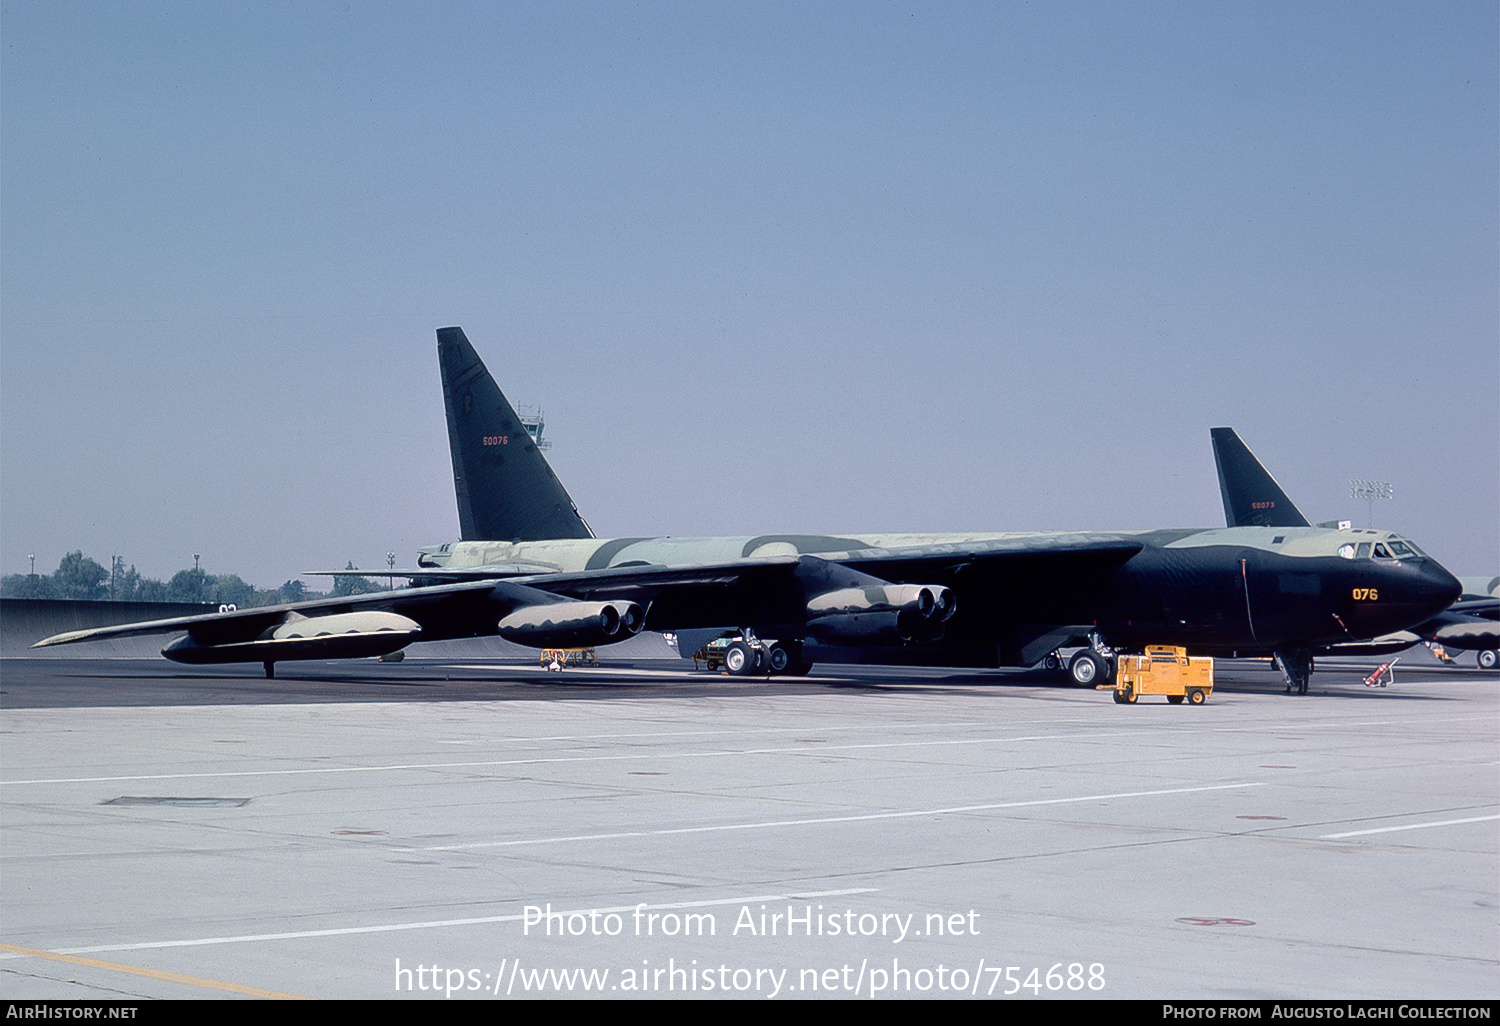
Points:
point(766, 267)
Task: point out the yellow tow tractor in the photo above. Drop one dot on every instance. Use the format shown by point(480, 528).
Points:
point(712, 654)
point(559, 658)
point(1163, 670)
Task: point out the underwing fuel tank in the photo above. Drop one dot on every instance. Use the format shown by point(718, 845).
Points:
point(338, 636)
point(572, 624)
point(874, 613)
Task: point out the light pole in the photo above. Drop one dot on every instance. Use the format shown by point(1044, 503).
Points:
point(197, 580)
point(1370, 491)
point(390, 564)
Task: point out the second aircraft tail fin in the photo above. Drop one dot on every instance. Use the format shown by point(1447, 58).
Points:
point(506, 490)
point(1251, 495)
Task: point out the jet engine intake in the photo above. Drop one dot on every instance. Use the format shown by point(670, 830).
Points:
point(572, 624)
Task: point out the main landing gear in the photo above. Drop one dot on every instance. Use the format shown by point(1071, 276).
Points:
point(749, 656)
point(1090, 667)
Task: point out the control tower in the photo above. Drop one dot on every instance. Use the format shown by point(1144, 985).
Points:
point(531, 420)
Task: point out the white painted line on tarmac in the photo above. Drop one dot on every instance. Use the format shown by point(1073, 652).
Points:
point(440, 923)
point(1409, 826)
point(864, 817)
point(534, 761)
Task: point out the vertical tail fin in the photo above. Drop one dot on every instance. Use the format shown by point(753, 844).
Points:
point(506, 490)
point(1251, 495)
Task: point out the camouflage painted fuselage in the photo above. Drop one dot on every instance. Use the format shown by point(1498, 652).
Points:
point(1215, 591)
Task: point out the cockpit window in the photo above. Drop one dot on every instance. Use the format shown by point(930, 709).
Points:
point(1403, 550)
point(1380, 552)
point(1364, 550)
point(1347, 551)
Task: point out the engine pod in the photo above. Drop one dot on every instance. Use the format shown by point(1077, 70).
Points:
point(931, 602)
point(572, 624)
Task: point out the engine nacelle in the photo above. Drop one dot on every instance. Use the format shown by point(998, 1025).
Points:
point(1476, 634)
point(572, 624)
point(914, 603)
point(339, 636)
point(885, 613)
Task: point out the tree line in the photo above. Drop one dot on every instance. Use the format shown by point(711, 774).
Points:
point(80, 577)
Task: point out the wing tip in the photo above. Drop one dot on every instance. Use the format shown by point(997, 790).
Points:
point(63, 638)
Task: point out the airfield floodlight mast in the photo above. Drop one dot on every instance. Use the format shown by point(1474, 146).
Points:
point(1370, 491)
point(390, 564)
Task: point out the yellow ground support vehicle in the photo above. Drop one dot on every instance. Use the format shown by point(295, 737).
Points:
point(558, 658)
point(1163, 670)
point(712, 654)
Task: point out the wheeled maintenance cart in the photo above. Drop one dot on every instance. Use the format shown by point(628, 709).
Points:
point(561, 658)
point(1163, 670)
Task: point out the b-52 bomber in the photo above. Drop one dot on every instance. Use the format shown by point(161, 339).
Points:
point(528, 568)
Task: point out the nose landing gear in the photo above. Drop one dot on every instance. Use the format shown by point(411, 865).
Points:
point(1296, 665)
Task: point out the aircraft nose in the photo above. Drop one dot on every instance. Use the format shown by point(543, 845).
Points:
point(1411, 591)
point(1430, 590)
point(1438, 584)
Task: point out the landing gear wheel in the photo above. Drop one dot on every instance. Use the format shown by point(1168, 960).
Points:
point(1176, 699)
point(778, 659)
point(741, 659)
point(1088, 668)
point(1488, 659)
point(1196, 696)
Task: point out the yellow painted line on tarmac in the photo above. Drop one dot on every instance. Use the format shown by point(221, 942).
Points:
point(155, 974)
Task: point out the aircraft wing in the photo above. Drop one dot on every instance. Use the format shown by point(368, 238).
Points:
point(253, 621)
point(591, 606)
point(892, 564)
point(442, 611)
